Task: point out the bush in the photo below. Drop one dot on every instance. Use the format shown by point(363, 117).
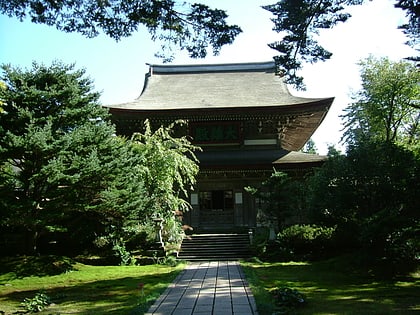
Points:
point(260, 241)
point(308, 242)
point(396, 253)
point(287, 300)
point(37, 303)
point(40, 266)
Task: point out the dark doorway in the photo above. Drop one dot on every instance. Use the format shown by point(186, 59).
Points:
point(216, 209)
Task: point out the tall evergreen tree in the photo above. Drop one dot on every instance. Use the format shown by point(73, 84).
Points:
point(57, 150)
point(62, 167)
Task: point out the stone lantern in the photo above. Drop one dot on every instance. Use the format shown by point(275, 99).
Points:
point(158, 229)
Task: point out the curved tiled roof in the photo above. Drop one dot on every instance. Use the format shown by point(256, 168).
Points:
point(177, 87)
point(224, 91)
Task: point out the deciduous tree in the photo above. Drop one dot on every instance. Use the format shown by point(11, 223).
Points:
point(386, 108)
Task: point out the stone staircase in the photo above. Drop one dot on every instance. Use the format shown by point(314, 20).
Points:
point(215, 247)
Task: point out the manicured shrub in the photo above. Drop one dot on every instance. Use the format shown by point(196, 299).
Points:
point(308, 242)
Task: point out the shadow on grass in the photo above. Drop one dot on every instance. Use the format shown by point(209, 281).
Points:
point(333, 290)
point(117, 296)
point(25, 266)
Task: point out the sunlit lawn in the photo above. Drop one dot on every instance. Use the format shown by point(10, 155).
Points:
point(330, 289)
point(90, 289)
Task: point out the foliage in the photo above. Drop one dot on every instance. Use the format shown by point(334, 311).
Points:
point(411, 28)
point(303, 242)
point(163, 172)
point(63, 169)
point(172, 235)
point(124, 256)
point(283, 198)
point(56, 148)
point(386, 108)
point(260, 241)
point(171, 171)
point(370, 193)
point(371, 196)
point(170, 261)
point(37, 303)
point(2, 87)
point(310, 147)
point(37, 266)
point(300, 22)
point(193, 27)
point(287, 300)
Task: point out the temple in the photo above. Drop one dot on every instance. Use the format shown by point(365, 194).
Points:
point(245, 120)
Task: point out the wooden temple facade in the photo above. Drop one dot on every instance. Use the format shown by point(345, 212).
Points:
point(244, 119)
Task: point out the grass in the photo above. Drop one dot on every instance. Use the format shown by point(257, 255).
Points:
point(331, 287)
point(87, 289)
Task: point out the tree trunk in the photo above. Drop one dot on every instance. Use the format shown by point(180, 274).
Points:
point(31, 246)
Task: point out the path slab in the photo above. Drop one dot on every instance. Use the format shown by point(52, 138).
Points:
point(207, 288)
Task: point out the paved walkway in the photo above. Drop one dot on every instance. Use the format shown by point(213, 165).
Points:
point(207, 288)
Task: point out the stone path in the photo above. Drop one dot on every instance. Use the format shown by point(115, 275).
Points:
point(207, 288)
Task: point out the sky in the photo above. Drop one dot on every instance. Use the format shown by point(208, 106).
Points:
point(118, 68)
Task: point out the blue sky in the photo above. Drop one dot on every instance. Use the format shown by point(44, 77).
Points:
point(118, 68)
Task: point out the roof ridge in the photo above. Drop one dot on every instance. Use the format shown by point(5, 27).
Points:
point(216, 67)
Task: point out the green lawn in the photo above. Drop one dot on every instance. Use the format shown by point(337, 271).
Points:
point(89, 289)
point(330, 289)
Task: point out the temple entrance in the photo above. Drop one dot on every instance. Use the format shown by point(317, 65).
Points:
point(216, 209)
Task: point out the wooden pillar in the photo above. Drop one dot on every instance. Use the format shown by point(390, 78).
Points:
point(239, 209)
point(195, 211)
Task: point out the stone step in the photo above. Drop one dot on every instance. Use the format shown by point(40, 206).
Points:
point(215, 247)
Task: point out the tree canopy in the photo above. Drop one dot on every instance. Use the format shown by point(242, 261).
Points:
point(300, 22)
point(193, 27)
point(197, 27)
point(371, 196)
point(386, 108)
point(55, 147)
point(62, 167)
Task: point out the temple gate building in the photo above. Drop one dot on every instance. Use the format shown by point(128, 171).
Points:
point(245, 120)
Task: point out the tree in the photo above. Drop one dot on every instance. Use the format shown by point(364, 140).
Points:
point(155, 182)
point(171, 169)
point(195, 27)
point(192, 27)
point(283, 198)
point(62, 168)
point(386, 108)
point(56, 148)
point(301, 21)
point(2, 87)
point(411, 28)
point(370, 195)
point(310, 147)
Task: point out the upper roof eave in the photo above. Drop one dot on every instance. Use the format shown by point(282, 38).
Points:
point(307, 105)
